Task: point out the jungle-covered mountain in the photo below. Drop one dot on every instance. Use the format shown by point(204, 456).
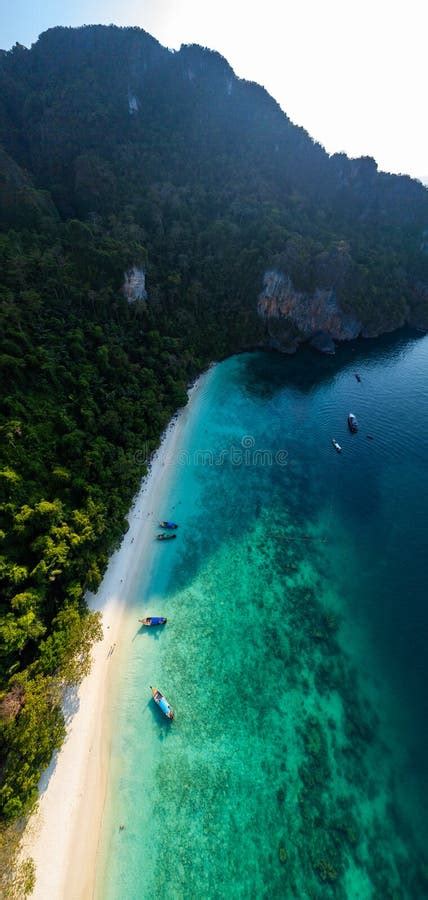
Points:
point(208, 174)
point(118, 155)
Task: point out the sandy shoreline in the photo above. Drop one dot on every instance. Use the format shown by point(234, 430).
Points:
point(62, 837)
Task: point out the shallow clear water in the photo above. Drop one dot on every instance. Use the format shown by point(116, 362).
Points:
point(295, 651)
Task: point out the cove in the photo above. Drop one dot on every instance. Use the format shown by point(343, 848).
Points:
point(295, 650)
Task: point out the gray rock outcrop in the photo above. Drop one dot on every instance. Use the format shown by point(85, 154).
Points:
point(134, 286)
point(292, 316)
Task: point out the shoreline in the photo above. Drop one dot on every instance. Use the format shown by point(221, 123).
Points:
point(62, 836)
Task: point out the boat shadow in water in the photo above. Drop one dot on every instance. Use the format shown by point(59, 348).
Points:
point(164, 724)
point(154, 632)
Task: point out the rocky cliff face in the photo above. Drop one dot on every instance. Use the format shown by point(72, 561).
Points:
point(134, 286)
point(292, 317)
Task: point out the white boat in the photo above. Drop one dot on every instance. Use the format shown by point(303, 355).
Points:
point(352, 423)
point(336, 445)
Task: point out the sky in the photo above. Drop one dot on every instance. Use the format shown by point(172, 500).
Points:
point(352, 72)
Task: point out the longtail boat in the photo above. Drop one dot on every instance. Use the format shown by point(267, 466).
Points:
point(149, 621)
point(162, 703)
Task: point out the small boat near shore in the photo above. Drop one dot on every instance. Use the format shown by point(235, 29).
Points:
point(169, 525)
point(352, 423)
point(150, 621)
point(165, 537)
point(162, 703)
point(336, 445)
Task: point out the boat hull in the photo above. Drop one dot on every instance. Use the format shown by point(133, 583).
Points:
point(162, 703)
point(152, 621)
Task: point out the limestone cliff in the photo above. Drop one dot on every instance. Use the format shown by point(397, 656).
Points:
point(134, 286)
point(292, 316)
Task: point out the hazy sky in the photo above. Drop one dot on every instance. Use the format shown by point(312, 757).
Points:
point(352, 72)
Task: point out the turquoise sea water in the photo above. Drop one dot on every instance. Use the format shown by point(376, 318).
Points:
point(295, 651)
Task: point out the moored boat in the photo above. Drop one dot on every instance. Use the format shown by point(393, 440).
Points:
point(165, 537)
point(170, 525)
point(336, 445)
point(150, 621)
point(357, 376)
point(162, 703)
point(352, 423)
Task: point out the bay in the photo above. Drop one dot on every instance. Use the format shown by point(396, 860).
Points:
point(295, 651)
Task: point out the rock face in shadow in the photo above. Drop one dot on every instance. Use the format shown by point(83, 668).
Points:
point(292, 317)
point(323, 342)
point(418, 310)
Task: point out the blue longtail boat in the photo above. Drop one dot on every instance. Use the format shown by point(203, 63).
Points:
point(162, 703)
point(149, 621)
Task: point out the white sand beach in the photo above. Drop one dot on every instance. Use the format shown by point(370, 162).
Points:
point(62, 836)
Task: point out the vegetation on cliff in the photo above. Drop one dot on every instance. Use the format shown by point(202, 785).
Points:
point(116, 152)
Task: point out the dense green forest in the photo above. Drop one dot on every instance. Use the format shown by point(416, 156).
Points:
point(115, 153)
